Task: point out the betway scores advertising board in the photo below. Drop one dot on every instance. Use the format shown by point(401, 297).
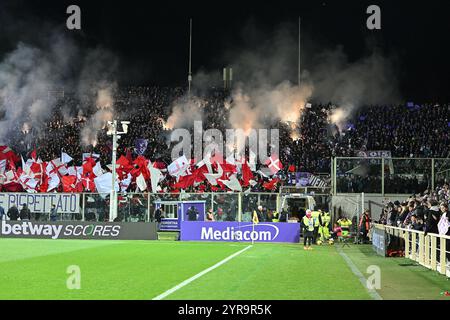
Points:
point(240, 232)
point(79, 230)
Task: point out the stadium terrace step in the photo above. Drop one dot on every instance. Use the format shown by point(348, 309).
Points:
point(168, 235)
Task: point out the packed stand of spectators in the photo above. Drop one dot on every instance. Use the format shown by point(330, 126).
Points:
point(406, 132)
point(420, 212)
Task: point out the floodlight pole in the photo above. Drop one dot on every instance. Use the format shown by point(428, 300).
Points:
point(113, 195)
point(190, 58)
point(299, 52)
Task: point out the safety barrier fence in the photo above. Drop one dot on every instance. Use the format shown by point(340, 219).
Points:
point(429, 250)
point(140, 207)
point(387, 175)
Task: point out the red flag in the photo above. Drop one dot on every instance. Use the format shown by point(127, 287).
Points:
point(274, 164)
point(69, 183)
point(12, 187)
point(247, 174)
point(270, 185)
point(129, 155)
point(185, 182)
point(34, 155)
point(7, 153)
point(88, 165)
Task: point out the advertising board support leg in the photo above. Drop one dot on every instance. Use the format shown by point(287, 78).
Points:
point(84, 207)
point(240, 206)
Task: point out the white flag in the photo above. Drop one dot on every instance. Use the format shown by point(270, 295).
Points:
point(65, 158)
point(178, 167)
point(2, 166)
point(212, 177)
point(103, 183)
point(232, 183)
point(140, 182)
point(90, 155)
point(97, 169)
point(443, 225)
point(155, 176)
point(53, 181)
point(125, 183)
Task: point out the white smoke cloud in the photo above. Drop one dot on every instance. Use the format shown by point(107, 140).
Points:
point(184, 112)
point(31, 76)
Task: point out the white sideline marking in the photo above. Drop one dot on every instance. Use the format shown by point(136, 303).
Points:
point(198, 275)
point(360, 276)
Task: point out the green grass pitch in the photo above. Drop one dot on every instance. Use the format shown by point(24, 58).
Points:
point(37, 269)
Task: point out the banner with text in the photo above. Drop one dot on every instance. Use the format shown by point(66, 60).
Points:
point(79, 230)
point(240, 232)
point(42, 202)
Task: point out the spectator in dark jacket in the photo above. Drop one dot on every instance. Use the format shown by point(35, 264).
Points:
point(2, 213)
point(13, 213)
point(53, 213)
point(25, 213)
point(416, 223)
point(433, 215)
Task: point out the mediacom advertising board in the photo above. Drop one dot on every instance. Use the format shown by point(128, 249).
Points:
point(240, 231)
point(79, 230)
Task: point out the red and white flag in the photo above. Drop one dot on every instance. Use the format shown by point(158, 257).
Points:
point(178, 167)
point(274, 164)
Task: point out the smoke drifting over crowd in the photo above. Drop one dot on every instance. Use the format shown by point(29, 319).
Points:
point(32, 77)
point(265, 90)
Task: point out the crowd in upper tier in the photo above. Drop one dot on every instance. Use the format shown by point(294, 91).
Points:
point(405, 130)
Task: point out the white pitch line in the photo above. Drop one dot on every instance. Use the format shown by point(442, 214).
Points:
point(373, 294)
point(198, 275)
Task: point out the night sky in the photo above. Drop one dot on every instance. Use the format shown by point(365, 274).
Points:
point(151, 37)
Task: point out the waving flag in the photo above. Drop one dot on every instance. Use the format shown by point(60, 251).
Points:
point(65, 158)
point(140, 182)
point(103, 183)
point(178, 167)
point(212, 177)
point(274, 164)
point(69, 183)
point(155, 176)
point(232, 183)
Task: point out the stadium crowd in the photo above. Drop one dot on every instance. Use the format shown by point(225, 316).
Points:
point(405, 130)
point(420, 212)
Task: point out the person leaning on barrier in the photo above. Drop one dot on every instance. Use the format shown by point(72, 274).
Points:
point(416, 223)
point(25, 213)
point(444, 223)
point(2, 213)
point(433, 215)
point(159, 214)
point(13, 213)
point(53, 213)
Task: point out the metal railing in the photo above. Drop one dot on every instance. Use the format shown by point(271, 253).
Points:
point(388, 175)
point(428, 250)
